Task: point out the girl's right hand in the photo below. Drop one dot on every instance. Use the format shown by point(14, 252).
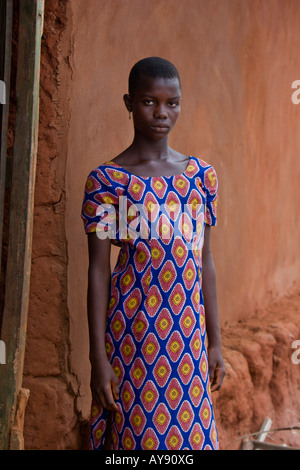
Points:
point(105, 385)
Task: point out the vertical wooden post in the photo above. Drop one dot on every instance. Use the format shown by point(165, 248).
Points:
point(14, 322)
point(6, 12)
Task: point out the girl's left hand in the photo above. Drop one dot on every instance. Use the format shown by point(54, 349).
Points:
point(216, 367)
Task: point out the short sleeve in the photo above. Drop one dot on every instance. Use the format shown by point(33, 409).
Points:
point(100, 205)
point(211, 188)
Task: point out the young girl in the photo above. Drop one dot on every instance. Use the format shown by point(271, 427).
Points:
point(151, 374)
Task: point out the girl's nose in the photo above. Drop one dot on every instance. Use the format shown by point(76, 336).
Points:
point(160, 112)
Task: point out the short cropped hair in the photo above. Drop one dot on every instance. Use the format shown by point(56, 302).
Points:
point(154, 67)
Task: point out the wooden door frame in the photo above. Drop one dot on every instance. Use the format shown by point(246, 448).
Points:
point(18, 268)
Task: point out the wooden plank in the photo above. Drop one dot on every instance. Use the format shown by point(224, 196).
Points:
point(266, 426)
point(268, 446)
point(6, 37)
point(21, 212)
point(16, 435)
point(247, 444)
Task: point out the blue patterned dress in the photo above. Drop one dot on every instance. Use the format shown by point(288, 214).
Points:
point(155, 335)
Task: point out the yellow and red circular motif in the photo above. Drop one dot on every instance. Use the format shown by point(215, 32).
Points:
point(136, 188)
point(174, 393)
point(154, 300)
point(164, 323)
point(192, 169)
point(172, 205)
point(167, 275)
point(127, 395)
point(210, 181)
point(159, 186)
point(204, 367)
point(149, 396)
point(164, 229)
point(127, 349)
point(139, 326)
point(214, 436)
point(196, 437)
point(118, 369)
point(174, 439)
point(118, 176)
point(132, 302)
point(150, 440)
point(161, 418)
point(175, 346)
point(196, 391)
point(141, 256)
point(202, 320)
point(99, 431)
point(177, 298)
point(162, 371)
point(185, 416)
point(128, 440)
point(181, 184)
point(146, 280)
point(196, 344)
point(179, 251)
point(119, 418)
point(92, 184)
point(189, 274)
point(118, 325)
point(187, 321)
point(195, 297)
point(137, 420)
point(127, 280)
point(205, 413)
point(138, 373)
point(186, 368)
point(150, 348)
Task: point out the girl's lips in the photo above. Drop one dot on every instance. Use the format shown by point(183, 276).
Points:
point(160, 128)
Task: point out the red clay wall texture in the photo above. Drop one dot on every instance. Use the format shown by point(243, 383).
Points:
point(237, 60)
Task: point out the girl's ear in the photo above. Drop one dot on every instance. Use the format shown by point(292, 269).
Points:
point(128, 102)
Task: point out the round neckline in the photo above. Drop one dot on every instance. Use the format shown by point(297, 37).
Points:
point(158, 176)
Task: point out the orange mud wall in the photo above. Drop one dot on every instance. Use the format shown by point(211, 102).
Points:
point(237, 60)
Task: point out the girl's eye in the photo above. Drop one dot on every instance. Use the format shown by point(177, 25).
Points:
point(173, 104)
point(148, 102)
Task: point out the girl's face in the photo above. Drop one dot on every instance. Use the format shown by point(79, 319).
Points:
point(155, 107)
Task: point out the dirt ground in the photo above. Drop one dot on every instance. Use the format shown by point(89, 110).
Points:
point(261, 379)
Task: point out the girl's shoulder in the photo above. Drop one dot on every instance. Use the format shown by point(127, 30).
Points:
point(109, 175)
point(206, 172)
point(202, 163)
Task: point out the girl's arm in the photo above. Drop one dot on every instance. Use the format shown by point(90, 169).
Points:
point(104, 382)
point(209, 289)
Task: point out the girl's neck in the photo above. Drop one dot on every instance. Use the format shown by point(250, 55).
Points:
point(149, 149)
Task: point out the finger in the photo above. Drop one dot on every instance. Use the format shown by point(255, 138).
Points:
point(116, 390)
point(212, 375)
point(97, 396)
point(218, 379)
point(212, 372)
point(213, 380)
point(109, 400)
